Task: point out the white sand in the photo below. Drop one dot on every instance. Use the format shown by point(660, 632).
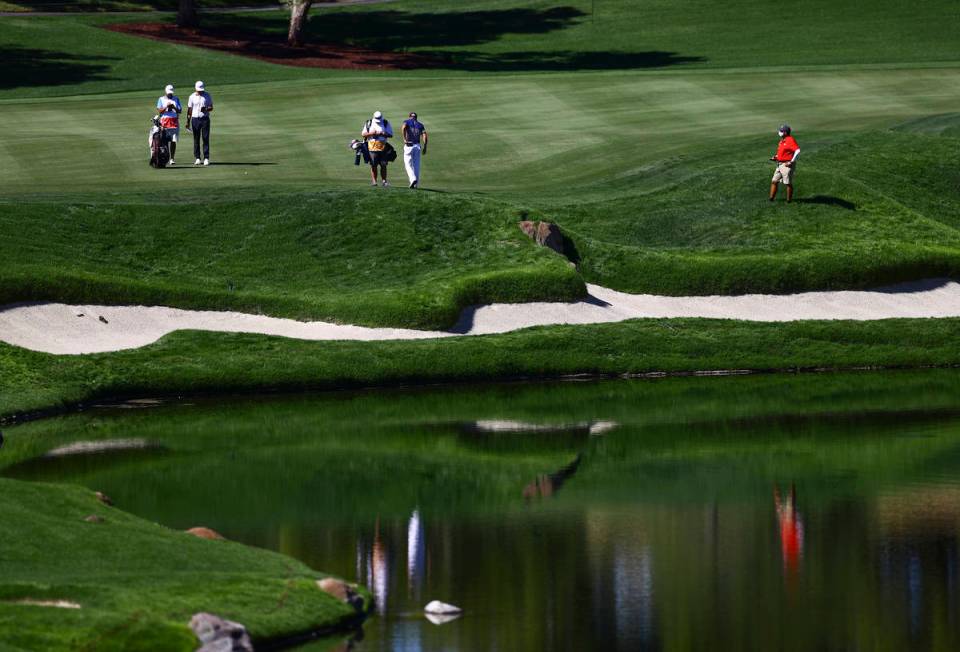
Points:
point(58, 328)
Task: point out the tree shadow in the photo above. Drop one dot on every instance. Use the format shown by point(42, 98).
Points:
point(385, 39)
point(827, 200)
point(22, 67)
point(559, 60)
point(397, 30)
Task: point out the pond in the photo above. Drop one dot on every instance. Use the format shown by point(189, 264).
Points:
point(781, 512)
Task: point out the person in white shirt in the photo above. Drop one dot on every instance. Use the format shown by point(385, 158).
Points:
point(199, 107)
point(169, 108)
point(376, 132)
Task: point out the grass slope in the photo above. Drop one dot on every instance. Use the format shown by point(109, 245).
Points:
point(413, 259)
point(197, 363)
point(501, 35)
point(137, 583)
point(873, 208)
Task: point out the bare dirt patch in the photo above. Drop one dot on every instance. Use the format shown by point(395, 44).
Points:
point(275, 50)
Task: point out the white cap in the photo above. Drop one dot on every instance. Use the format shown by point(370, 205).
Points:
point(377, 115)
point(198, 86)
point(168, 89)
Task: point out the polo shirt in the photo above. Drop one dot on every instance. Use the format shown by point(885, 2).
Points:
point(786, 149)
point(197, 102)
point(414, 130)
point(169, 119)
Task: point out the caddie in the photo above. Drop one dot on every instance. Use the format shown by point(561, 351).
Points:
point(169, 108)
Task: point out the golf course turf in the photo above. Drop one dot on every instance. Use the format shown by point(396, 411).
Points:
point(642, 129)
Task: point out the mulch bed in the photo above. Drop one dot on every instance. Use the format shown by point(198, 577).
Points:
point(311, 55)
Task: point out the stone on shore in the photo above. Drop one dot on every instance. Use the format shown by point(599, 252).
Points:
point(206, 533)
point(219, 635)
point(342, 591)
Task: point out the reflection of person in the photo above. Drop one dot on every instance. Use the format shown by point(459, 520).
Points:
point(376, 131)
point(414, 144)
point(199, 107)
point(786, 158)
point(169, 108)
point(791, 530)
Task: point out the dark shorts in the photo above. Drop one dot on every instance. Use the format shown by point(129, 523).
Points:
point(378, 158)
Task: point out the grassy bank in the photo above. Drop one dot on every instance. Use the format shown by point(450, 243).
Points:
point(136, 583)
point(413, 259)
point(195, 363)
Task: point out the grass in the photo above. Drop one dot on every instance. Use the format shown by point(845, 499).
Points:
point(660, 120)
point(413, 260)
point(190, 363)
point(137, 582)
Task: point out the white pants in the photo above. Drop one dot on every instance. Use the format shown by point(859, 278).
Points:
point(411, 161)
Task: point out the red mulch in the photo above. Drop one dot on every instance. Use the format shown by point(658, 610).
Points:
point(311, 55)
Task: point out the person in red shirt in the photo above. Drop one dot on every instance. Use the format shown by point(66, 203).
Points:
point(786, 158)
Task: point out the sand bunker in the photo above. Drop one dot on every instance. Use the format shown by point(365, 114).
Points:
point(65, 329)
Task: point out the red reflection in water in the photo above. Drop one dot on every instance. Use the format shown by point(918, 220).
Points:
point(791, 533)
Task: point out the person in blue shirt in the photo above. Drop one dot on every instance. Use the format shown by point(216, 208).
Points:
point(169, 108)
point(414, 144)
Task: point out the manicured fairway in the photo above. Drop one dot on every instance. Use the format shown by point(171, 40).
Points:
point(553, 137)
point(643, 131)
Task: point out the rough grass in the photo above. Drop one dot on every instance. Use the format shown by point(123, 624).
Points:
point(872, 208)
point(137, 583)
point(199, 363)
point(402, 259)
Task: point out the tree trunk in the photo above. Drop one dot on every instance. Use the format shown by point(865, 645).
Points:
point(187, 13)
point(298, 20)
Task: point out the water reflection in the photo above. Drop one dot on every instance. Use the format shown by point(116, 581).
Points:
point(658, 535)
point(791, 534)
point(547, 484)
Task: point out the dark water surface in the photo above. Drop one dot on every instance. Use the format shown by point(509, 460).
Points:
point(812, 512)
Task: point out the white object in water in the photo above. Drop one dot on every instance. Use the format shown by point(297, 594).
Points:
point(442, 619)
point(442, 608)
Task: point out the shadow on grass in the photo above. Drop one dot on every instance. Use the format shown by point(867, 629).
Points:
point(827, 200)
point(910, 287)
point(21, 67)
point(365, 38)
point(251, 164)
point(558, 60)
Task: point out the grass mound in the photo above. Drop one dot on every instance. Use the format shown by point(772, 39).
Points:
point(399, 259)
point(137, 583)
point(872, 208)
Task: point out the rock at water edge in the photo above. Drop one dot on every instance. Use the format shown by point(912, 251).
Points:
point(219, 635)
point(342, 591)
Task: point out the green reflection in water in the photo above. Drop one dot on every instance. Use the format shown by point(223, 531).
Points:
point(750, 513)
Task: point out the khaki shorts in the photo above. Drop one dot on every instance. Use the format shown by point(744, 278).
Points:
point(783, 174)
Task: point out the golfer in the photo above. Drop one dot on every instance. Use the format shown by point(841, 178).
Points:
point(414, 133)
point(786, 158)
point(199, 107)
point(169, 108)
point(376, 131)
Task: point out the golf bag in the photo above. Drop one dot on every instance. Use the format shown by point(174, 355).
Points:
point(159, 145)
point(360, 152)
